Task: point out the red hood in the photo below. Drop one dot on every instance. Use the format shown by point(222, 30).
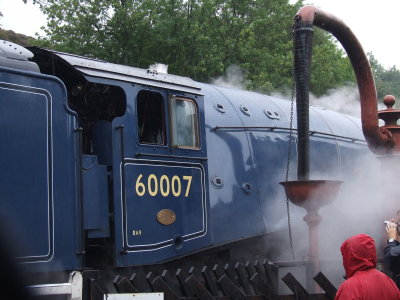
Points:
point(359, 253)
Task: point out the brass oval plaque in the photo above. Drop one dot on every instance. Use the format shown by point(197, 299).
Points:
point(166, 217)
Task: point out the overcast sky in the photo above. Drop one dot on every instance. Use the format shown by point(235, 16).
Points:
point(375, 23)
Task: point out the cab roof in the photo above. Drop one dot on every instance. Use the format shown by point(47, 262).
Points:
point(99, 68)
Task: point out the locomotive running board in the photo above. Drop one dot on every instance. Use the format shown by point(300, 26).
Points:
point(141, 296)
point(72, 288)
point(224, 281)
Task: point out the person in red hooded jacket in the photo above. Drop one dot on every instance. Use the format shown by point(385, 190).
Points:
point(363, 281)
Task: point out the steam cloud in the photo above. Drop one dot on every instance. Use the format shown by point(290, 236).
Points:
point(160, 68)
point(345, 100)
point(233, 78)
point(368, 196)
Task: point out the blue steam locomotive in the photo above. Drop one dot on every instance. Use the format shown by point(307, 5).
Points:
point(109, 167)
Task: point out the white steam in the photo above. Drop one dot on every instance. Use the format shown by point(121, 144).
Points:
point(364, 202)
point(368, 196)
point(233, 78)
point(158, 67)
point(344, 100)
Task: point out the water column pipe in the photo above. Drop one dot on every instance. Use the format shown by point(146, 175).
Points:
point(303, 36)
point(312, 194)
point(380, 140)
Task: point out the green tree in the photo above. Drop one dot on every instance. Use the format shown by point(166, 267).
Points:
point(331, 68)
point(387, 81)
point(196, 38)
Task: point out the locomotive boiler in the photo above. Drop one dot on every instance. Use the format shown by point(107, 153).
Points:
point(111, 173)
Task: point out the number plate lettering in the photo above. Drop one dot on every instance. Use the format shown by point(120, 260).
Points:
point(164, 185)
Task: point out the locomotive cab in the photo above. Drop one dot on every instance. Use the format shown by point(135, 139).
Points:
point(144, 158)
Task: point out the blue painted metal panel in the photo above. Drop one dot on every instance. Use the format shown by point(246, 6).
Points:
point(253, 143)
point(151, 186)
point(39, 188)
point(26, 161)
point(340, 124)
point(235, 212)
point(139, 237)
point(270, 152)
point(95, 198)
point(101, 132)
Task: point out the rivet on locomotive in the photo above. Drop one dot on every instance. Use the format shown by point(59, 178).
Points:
point(121, 180)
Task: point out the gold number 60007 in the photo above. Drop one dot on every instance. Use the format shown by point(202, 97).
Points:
point(164, 186)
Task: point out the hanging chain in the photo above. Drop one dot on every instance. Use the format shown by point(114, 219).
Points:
point(290, 149)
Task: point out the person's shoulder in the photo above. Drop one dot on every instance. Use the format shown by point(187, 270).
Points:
point(350, 286)
point(377, 280)
point(349, 289)
point(392, 246)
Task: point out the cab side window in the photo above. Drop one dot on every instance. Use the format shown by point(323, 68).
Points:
point(151, 118)
point(184, 123)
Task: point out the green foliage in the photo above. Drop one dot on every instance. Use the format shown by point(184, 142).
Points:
point(387, 81)
point(330, 67)
point(195, 38)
